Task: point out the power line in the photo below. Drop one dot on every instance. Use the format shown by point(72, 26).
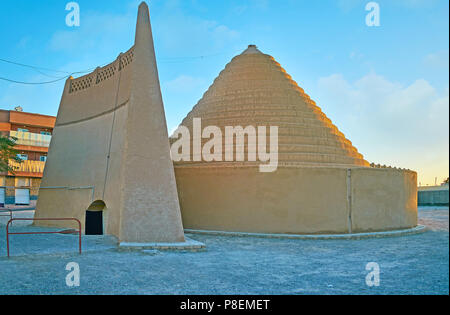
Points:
point(69, 74)
point(192, 58)
point(46, 69)
point(32, 67)
point(37, 69)
point(34, 83)
point(189, 58)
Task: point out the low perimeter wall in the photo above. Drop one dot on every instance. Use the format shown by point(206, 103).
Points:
point(297, 200)
point(433, 196)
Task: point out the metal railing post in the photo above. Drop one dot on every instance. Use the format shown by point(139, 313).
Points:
point(7, 237)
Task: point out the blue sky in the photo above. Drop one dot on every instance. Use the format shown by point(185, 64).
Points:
point(385, 87)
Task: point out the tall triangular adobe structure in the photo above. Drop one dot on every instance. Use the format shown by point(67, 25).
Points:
point(110, 151)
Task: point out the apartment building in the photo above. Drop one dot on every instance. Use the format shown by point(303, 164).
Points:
point(34, 132)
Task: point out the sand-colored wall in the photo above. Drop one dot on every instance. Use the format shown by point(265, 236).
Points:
point(110, 144)
point(296, 200)
point(85, 155)
point(383, 199)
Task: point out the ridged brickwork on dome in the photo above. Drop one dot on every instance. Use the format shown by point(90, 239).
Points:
point(254, 90)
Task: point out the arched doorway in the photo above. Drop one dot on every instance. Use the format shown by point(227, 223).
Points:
point(94, 218)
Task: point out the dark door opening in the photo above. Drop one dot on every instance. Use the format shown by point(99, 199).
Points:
point(94, 222)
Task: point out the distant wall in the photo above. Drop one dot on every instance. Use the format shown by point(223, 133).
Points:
point(433, 196)
point(297, 200)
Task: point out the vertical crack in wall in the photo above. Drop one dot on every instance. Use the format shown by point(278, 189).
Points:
point(349, 200)
point(108, 158)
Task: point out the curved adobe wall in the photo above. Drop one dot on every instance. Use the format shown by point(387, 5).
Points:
point(297, 200)
point(383, 199)
point(89, 128)
point(322, 185)
point(111, 135)
point(97, 93)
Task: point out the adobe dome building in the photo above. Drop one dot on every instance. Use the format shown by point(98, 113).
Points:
point(322, 184)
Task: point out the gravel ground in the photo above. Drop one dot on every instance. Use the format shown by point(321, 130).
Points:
point(417, 264)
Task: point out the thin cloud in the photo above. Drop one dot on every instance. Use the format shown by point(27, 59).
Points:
point(391, 123)
point(438, 60)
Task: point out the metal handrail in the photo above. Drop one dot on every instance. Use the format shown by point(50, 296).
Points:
point(38, 233)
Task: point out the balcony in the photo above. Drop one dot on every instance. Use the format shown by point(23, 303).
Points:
point(28, 167)
point(31, 139)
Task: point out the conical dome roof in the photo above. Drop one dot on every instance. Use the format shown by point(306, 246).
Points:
point(254, 90)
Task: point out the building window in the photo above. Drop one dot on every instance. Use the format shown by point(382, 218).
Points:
point(46, 133)
point(23, 157)
point(43, 158)
point(22, 130)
